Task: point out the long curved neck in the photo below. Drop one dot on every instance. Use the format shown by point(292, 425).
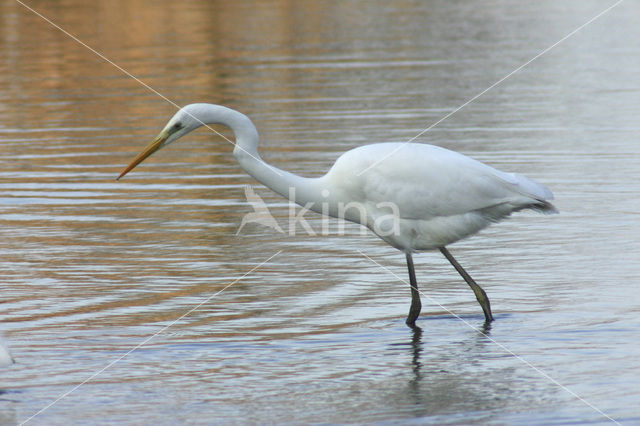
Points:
point(295, 188)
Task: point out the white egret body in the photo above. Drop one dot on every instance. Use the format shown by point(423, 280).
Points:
point(413, 196)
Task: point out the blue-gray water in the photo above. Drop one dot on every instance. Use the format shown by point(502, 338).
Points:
point(90, 268)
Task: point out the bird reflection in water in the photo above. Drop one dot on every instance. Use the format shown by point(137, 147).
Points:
point(434, 385)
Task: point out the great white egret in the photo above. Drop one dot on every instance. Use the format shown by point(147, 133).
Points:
point(413, 196)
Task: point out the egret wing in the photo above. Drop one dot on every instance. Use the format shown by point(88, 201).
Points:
point(426, 181)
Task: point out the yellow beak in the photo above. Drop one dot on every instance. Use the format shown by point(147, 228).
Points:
point(150, 149)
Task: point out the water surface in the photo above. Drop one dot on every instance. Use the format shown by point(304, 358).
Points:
point(92, 268)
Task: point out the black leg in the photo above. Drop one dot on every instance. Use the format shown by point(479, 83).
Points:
point(480, 294)
point(416, 306)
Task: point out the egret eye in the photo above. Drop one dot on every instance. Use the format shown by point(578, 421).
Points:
point(177, 126)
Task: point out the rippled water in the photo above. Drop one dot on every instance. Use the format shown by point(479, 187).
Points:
point(141, 292)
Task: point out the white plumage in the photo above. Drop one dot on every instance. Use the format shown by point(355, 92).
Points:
point(442, 196)
point(413, 196)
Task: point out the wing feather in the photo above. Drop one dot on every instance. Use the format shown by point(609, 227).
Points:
point(427, 181)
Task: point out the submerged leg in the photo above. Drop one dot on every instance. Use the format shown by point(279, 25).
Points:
point(480, 294)
point(416, 306)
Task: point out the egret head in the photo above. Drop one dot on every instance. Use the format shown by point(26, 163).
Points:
point(184, 121)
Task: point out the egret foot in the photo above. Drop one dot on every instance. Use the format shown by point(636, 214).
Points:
point(481, 296)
